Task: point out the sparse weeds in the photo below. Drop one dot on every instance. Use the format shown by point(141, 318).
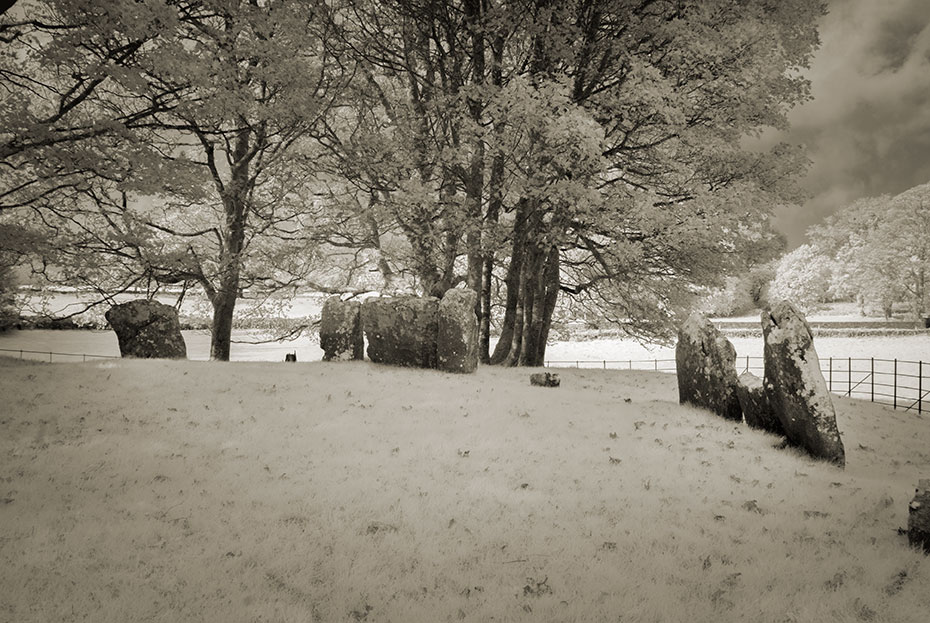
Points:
point(157, 520)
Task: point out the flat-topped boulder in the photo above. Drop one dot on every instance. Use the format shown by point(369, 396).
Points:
point(341, 336)
point(794, 385)
point(402, 330)
point(147, 329)
point(457, 339)
point(706, 365)
point(755, 405)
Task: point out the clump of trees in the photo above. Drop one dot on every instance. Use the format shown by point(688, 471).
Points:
point(590, 150)
point(876, 252)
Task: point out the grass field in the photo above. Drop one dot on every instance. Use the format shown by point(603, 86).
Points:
point(203, 491)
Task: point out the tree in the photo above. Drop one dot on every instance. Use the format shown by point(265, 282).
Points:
point(584, 149)
point(881, 249)
point(208, 186)
point(803, 277)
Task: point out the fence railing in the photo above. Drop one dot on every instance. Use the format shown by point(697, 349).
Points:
point(50, 356)
point(898, 383)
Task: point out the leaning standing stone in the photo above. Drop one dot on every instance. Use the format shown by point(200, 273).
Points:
point(705, 362)
point(402, 330)
point(795, 386)
point(147, 329)
point(755, 405)
point(341, 330)
point(918, 518)
point(457, 344)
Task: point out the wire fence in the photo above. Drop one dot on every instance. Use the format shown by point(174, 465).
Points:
point(50, 356)
point(897, 383)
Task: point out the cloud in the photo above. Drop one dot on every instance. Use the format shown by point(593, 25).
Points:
point(867, 128)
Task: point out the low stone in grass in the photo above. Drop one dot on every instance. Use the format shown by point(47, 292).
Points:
point(457, 341)
point(795, 387)
point(545, 379)
point(754, 403)
point(341, 330)
point(705, 362)
point(918, 518)
point(147, 329)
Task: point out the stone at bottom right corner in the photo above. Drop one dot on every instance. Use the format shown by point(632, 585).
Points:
point(918, 518)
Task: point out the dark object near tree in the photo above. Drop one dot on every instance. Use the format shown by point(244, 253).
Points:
point(290, 357)
point(545, 379)
point(457, 340)
point(402, 330)
point(341, 335)
point(795, 387)
point(706, 368)
point(147, 329)
point(918, 517)
point(755, 405)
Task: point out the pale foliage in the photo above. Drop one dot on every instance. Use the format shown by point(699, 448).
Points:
point(803, 277)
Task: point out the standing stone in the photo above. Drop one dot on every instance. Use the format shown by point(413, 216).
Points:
point(402, 330)
point(341, 330)
point(755, 405)
point(918, 518)
point(147, 329)
point(706, 365)
point(795, 387)
point(457, 341)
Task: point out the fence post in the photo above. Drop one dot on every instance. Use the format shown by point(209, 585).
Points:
point(830, 382)
point(920, 386)
point(894, 402)
point(872, 376)
point(656, 362)
point(50, 357)
point(605, 364)
point(747, 363)
point(849, 376)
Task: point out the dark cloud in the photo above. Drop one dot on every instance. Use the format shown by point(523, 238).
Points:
point(867, 128)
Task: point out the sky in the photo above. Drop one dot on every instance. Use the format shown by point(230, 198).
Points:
point(867, 128)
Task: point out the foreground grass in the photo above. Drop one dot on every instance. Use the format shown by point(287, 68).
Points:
point(159, 491)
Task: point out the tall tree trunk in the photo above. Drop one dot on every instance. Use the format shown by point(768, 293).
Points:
point(235, 196)
point(224, 304)
point(474, 186)
point(495, 207)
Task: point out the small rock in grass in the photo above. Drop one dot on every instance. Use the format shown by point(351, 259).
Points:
point(544, 379)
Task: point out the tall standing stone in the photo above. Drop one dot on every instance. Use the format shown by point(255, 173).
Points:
point(706, 365)
point(341, 335)
point(795, 386)
point(402, 330)
point(457, 341)
point(147, 329)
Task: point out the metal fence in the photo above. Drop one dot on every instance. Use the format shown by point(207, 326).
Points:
point(897, 383)
point(50, 356)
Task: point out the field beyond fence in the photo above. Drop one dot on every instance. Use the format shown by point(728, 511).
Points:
point(897, 383)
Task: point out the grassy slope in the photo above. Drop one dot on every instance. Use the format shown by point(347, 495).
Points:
point(157, 491)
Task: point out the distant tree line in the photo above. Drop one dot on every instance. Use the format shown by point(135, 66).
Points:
point(589, 153)
point(875, 252)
